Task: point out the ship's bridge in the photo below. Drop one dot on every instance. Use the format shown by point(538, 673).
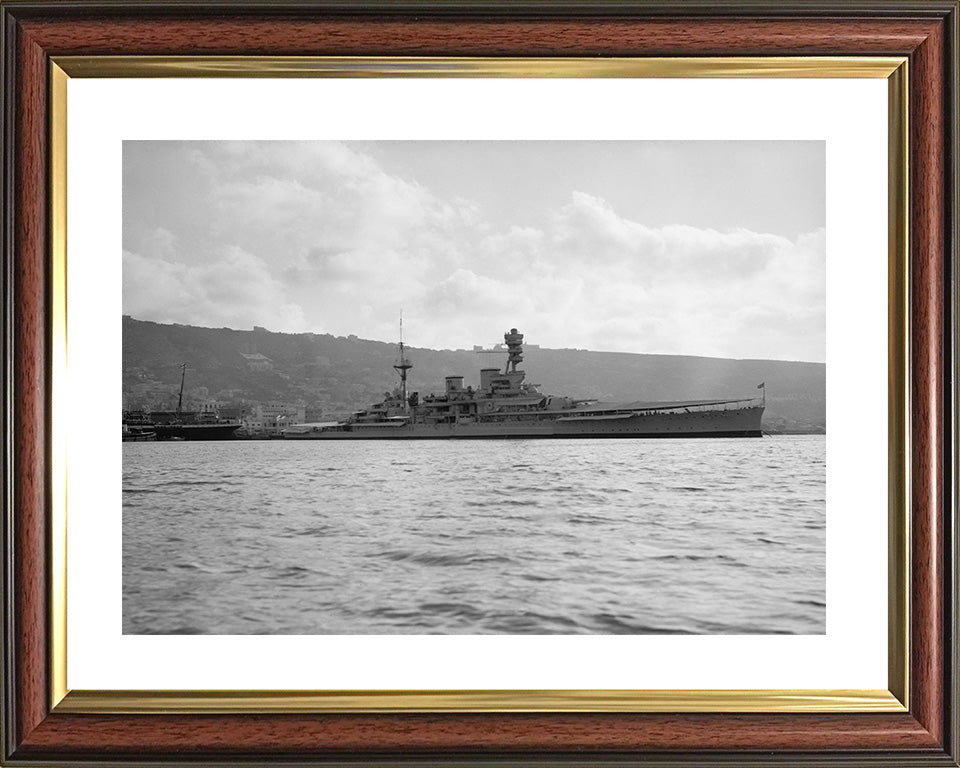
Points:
point(495, 381)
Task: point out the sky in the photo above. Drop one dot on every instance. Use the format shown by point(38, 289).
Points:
point(702, 248)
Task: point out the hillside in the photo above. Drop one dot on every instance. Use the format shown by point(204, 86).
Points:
point(337, 375)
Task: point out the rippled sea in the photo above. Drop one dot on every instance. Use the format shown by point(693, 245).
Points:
point(475, 537)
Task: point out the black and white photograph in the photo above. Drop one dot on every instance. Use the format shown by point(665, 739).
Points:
point(474, 387)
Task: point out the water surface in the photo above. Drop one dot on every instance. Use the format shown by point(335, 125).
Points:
point(475, 537)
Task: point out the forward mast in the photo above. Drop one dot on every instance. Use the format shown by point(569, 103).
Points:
point(402, 365)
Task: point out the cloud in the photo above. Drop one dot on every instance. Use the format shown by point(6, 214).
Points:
point(319, 237)
point(234, 289)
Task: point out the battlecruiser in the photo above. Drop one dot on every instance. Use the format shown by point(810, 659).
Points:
point(503, 406)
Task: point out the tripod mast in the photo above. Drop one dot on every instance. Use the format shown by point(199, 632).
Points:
point(402, 365)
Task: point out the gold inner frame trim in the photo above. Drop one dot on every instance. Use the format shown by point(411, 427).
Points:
point(898, 385)
point(58, 370)
point(132, 702)
point(433, 66)
point(893, 69)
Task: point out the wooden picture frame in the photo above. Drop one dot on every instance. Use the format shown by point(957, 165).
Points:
point(41, 725)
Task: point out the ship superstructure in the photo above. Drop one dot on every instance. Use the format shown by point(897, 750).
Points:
point(505, 406)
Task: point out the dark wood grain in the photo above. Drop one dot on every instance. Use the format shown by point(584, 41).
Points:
point(918, 737)
point(489, 37)
point(29, 370)
point(258, 734)
point(927, 354)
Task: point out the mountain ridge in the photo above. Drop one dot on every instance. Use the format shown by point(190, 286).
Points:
point(336, 374)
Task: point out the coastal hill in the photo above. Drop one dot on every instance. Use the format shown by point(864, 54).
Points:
point(334, 375)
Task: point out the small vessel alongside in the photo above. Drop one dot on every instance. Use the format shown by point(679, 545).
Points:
point(200, 426)
point(133, 433)
point(504, 406)
point(199, 431)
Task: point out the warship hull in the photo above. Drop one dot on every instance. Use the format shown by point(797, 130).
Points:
point(195, 431)
point(503, 406)
point(730, 422)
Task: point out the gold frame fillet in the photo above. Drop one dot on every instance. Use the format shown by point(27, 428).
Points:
point(895, 699)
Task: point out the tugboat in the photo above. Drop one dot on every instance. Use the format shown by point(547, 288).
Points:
point(504, 406)
point(204, 427)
